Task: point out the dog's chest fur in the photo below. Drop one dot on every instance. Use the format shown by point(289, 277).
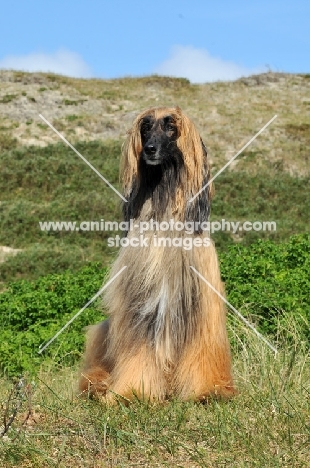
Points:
point(162, 294)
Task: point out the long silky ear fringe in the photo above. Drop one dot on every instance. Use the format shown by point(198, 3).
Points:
point(131, 150)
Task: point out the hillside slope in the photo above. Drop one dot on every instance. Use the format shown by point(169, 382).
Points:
point(227, 114)
point(43, 179)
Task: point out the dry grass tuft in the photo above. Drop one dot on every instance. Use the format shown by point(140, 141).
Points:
point(267, 424)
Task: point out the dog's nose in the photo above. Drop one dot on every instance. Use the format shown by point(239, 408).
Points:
point(150, 150)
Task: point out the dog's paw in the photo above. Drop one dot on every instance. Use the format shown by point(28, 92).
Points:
point(94, 383)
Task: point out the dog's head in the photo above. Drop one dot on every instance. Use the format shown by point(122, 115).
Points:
point(159, 140)
point(164, 147)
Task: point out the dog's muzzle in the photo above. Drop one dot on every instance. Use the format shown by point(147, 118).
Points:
point(151, 155)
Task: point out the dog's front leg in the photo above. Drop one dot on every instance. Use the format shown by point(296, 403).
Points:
point(137, 376)
point(96, 370)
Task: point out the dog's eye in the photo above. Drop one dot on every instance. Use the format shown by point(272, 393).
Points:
point(145, 128)
point(170, 128)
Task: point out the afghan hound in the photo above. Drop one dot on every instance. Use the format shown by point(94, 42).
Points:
point(166, 332)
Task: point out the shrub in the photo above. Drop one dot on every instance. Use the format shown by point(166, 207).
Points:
point(32, 313)
point(268, 282)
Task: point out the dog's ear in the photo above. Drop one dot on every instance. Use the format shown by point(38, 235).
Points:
point(132, 207)
point(198, 210)
point(130, 157)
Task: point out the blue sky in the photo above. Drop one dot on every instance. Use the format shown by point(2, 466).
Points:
point(199, 39)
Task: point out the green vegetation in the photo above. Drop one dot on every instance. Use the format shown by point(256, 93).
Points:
point(42, 126)
point(265, 425)
point(70, 102)
point(8, 98)
point(271, 195)
point(43, 421)
point(301, 131)
point(268, 282)
point(53, 184)
point(31, 314)
point(50, 184)
point(7, 142)
point(72, 118)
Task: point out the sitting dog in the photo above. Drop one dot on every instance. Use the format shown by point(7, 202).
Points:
point(166, 332)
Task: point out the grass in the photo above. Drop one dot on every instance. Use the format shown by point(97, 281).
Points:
point(53, 184)
point(266, 425)
point(69, 102)
point(7, 142)
point(267, 282)
point(7, 98)
point(227, 114)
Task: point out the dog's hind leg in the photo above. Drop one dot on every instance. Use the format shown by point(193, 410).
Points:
point(96, 370)
point(204, 369)
point(204, 373)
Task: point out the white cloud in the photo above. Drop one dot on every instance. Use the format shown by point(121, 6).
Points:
point(62, 61)
point(199, 66)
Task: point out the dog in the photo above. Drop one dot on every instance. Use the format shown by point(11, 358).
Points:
point(166, 332)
